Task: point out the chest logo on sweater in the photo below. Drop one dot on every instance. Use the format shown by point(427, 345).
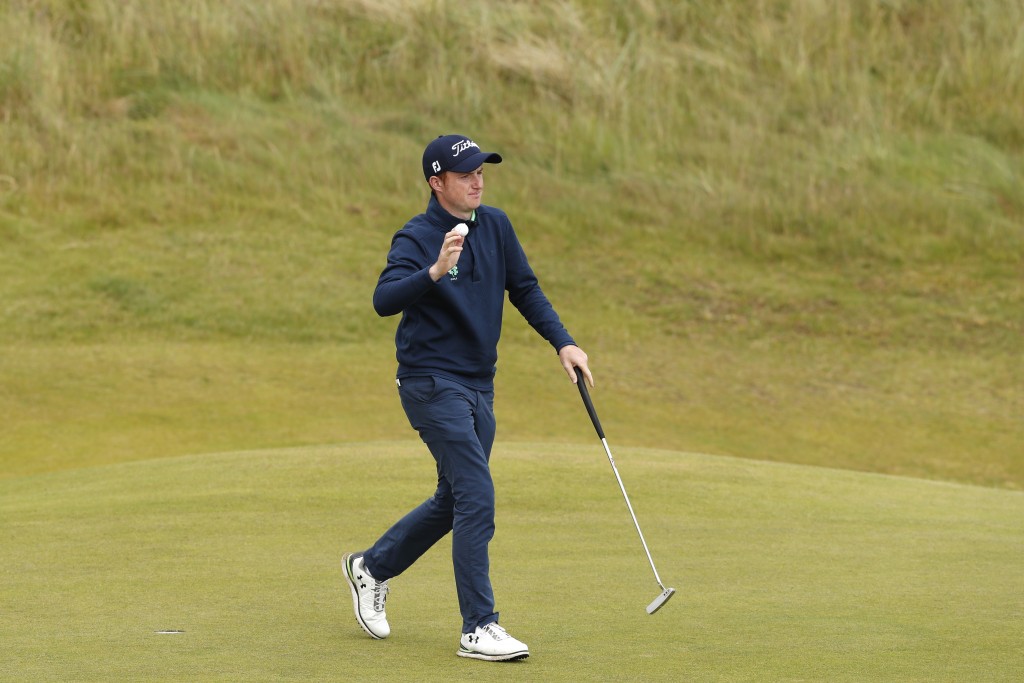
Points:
point(454, 273)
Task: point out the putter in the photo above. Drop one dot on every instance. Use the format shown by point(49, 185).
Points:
point(666, 593)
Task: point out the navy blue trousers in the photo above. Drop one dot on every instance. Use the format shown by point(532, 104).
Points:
point(457, 425)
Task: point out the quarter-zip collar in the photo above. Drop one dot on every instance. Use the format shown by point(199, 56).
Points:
point(439, 216)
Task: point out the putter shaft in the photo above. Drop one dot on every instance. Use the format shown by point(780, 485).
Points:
point(666, 592)
point(625, 496)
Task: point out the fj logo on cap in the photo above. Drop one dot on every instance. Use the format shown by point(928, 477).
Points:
point(437, 166)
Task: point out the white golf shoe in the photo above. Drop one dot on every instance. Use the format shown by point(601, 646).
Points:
point(368, 596)
point(492, 643)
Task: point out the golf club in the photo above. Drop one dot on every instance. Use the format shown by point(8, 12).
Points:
point(666, 593)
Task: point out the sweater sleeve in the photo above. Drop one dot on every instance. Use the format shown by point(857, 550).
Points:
point(404, 279)
point(526, 295)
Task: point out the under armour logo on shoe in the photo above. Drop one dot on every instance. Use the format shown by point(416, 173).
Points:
point(474, 639)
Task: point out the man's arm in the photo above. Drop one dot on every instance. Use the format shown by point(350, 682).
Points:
point(526, 295)
point(405, 280)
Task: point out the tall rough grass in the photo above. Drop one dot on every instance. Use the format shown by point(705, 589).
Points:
point(776, 107)
point(798, 131)
point(650, 67)
point(833, 188)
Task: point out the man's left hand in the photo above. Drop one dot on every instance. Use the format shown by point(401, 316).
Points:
point(572, 357)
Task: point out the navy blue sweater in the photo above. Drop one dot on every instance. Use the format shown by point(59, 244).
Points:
point(451, 327)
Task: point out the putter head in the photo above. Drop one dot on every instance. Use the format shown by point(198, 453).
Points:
point(660, 601)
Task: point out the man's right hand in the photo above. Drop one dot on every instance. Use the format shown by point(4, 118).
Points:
point(449, 256)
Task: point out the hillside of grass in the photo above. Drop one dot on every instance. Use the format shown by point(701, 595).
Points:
point(783, 230)
point(782, 572)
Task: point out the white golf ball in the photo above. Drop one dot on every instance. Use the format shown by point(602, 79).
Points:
point(462, 229)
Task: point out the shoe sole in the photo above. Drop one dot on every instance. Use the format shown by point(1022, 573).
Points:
point(511, 657)
point(346, 563)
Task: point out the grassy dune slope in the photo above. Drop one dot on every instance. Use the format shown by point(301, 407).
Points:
point(784, 572)
point(783, 230)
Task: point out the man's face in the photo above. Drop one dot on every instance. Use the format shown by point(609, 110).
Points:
point(459, 193)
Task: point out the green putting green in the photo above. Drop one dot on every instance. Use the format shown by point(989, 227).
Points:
point(225, 567)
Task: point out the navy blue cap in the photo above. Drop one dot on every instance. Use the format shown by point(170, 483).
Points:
point(455, 153)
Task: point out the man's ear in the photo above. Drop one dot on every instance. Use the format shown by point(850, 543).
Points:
point(436, 183)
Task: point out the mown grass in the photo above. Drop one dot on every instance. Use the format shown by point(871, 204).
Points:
point(782, 572)
point(782, 229)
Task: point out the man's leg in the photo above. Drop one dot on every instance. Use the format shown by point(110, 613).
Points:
point(482, 637)
point(394, 552)
point(474, 521)
point(457, 424)
point(464, 464)
point(414, 534)
point(411, 536)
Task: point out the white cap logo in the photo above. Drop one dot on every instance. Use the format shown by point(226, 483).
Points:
point(462, 146)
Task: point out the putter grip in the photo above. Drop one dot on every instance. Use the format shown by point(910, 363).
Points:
point(582, 384)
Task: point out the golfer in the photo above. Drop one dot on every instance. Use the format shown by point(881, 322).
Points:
point(450, 291)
